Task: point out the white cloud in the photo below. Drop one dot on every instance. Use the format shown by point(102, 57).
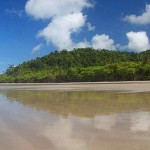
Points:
point(45, 9)
point(90, 27)
point(141, 19)
point(98, 42)
point(66, 18)
point(102, 42)
point(37, 48)
point(138, 41)
point(84, 44)
point(59, 31)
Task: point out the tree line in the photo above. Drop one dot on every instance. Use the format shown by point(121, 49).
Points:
point(81, 65)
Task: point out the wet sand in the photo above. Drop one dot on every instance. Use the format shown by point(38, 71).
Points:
point(74, 120)
point(126, 86)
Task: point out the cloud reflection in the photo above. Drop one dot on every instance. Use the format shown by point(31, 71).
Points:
point(62, 136)
point(140, 121)
point(105, 122)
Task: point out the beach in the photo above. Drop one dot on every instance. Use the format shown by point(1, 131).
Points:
point(124, 86)
point(85, 116)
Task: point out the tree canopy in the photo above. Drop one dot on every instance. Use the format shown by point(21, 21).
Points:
point(83, 64)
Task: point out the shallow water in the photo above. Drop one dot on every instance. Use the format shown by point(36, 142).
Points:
point(45, 120)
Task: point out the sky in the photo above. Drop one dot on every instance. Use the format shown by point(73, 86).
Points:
point(34, 28)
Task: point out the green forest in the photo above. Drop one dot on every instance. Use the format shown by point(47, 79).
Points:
point(81, 65)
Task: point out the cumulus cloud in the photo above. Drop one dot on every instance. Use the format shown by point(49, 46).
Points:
point(141, 19)
point(138, 41)
point(37, 48)
point(59, 31)
point(83, 44)
point(45, 9)
point(66, 18)
point(98, 42)
point(102, 42)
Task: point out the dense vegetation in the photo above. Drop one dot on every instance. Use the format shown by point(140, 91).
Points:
point(82, 65)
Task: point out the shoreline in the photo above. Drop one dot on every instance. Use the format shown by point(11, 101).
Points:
point(121, 86)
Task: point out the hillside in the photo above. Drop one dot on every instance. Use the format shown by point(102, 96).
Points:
point(82, 65)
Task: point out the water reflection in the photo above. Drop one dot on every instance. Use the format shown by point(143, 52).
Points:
point(74, 120)
point(81, 104)
point(105, 122)
point(140, 122)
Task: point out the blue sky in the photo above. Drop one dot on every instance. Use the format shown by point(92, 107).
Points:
point(30, 29)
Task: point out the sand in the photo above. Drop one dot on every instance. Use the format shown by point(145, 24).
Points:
point(125, 86)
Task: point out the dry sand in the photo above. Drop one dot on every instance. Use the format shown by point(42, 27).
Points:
point(133, 86)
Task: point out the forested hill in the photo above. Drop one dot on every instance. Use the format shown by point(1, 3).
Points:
point(82, 65)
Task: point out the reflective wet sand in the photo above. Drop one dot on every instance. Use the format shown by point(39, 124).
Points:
point(71, 120)
point(126, 86)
